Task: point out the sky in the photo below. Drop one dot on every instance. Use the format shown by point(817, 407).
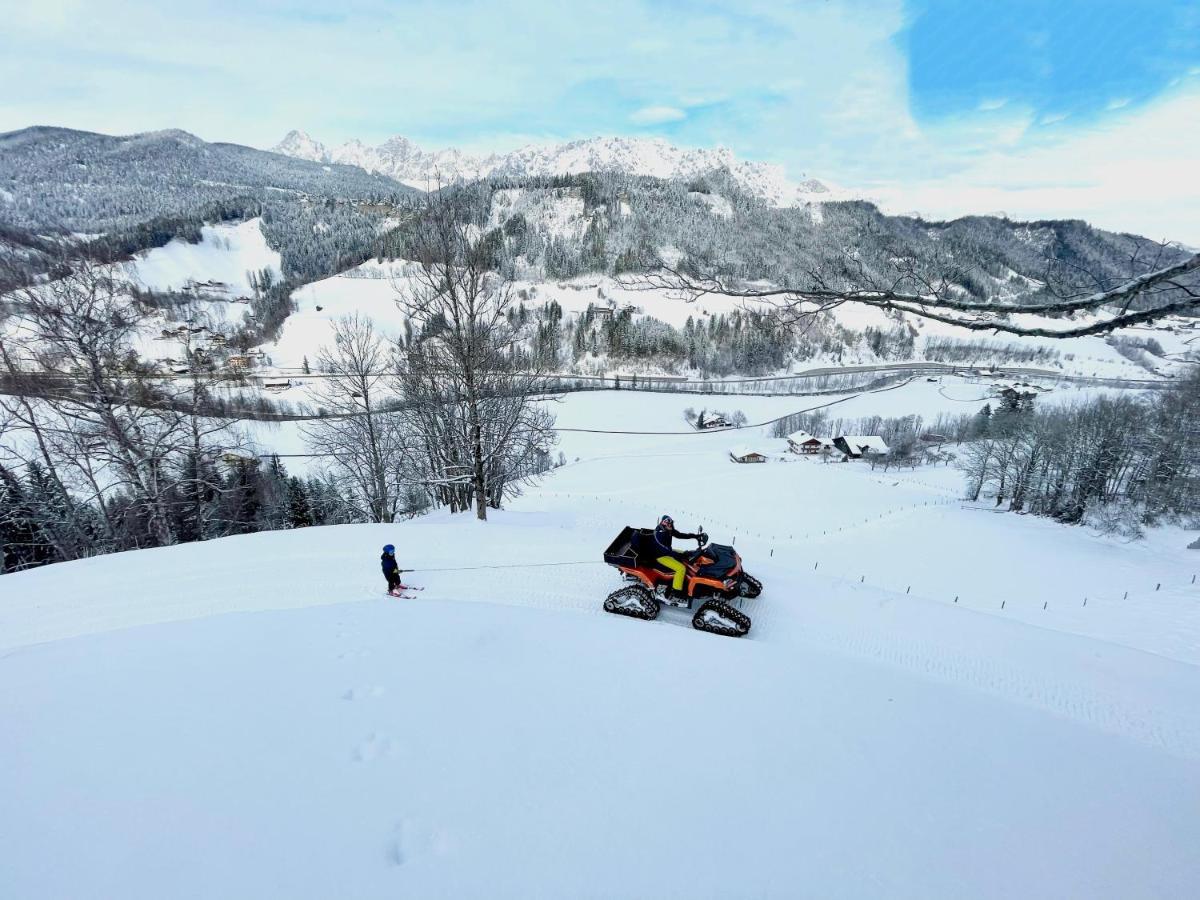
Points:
point(1065, 109)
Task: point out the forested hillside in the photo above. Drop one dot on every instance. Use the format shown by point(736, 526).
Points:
point(54, 179)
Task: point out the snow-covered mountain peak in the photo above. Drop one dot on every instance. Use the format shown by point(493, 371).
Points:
point(400, 158)
point(300, 145)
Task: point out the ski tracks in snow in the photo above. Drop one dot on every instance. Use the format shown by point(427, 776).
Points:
point(1106, 699)
point(828, 613)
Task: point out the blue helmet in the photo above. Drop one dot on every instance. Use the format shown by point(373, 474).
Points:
point(388, 548)
point(666, 520)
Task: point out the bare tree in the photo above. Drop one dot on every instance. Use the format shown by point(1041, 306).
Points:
point(94, 417)
point(469, 384)
point(359, 434)
point(1160, 280)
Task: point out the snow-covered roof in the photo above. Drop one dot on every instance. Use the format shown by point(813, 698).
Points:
point(870, 442)
point(742, 451)
point(800, 437)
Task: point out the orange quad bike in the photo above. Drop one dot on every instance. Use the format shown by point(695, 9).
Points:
point(714, 575)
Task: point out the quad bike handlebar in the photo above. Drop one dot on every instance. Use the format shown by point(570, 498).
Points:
point(701, 540)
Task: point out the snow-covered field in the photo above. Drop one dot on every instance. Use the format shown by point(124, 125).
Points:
point(251, 717)
point(373, 289)
point(653, 411)
point(226, 254)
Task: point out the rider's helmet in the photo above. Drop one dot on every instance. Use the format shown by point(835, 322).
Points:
point(389, 548)
point(667, 520)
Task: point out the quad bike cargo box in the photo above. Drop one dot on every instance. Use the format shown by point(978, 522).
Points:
point(628, 546)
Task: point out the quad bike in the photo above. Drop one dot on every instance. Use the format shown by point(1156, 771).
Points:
point(714, 575)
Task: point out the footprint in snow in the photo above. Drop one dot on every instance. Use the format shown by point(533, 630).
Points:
point(410, 838)
point(376, 746)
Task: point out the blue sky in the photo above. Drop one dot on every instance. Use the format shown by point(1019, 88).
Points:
point(1031, 108)
point(1064, 59)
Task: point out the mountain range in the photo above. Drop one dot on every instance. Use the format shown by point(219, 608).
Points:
point(405, 161)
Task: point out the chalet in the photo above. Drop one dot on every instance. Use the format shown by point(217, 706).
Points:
point(218, 340)
point(931, 437)
point(856, 446)
point(276, 384)
point(804, 443)
point(239, 363)
point(714, 421)
point(597, 313)
point(746, 455)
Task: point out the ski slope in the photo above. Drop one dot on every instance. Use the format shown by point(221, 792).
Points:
point(226, 254)
point(251, 717)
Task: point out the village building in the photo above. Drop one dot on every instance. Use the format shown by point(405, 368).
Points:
point(746, 455)
point(856, 446)
point(716, 420)
point(806, 444)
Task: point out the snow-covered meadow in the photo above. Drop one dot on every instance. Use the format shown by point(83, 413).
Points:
point(250, 716)
point(226, 254)
point(374, 288)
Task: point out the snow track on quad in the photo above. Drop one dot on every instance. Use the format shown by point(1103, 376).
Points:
point(718, 617)
point(749, 587)
point(635, 601)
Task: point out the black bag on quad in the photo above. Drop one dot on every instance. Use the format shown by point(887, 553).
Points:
point(714, 574)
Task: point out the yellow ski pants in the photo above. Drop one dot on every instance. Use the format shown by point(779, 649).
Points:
point(675, 566)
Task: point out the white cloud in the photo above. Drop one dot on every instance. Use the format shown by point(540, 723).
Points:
point(1118, 103)
point(1133, 174)
point(374, 68)
point(655, 115)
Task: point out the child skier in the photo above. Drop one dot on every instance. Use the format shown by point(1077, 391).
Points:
point(392, 570)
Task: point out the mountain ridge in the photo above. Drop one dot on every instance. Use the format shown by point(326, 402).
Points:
point(66, 178)
point(402, 159)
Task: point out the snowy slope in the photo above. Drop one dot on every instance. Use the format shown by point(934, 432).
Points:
point(399, 158)
point(226, 254)
point(250, 717)
point(371, 289)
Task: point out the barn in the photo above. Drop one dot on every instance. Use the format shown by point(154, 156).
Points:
point(746, 455)
point(856, 446)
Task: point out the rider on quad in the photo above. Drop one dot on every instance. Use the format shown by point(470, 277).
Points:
point(669, 557)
